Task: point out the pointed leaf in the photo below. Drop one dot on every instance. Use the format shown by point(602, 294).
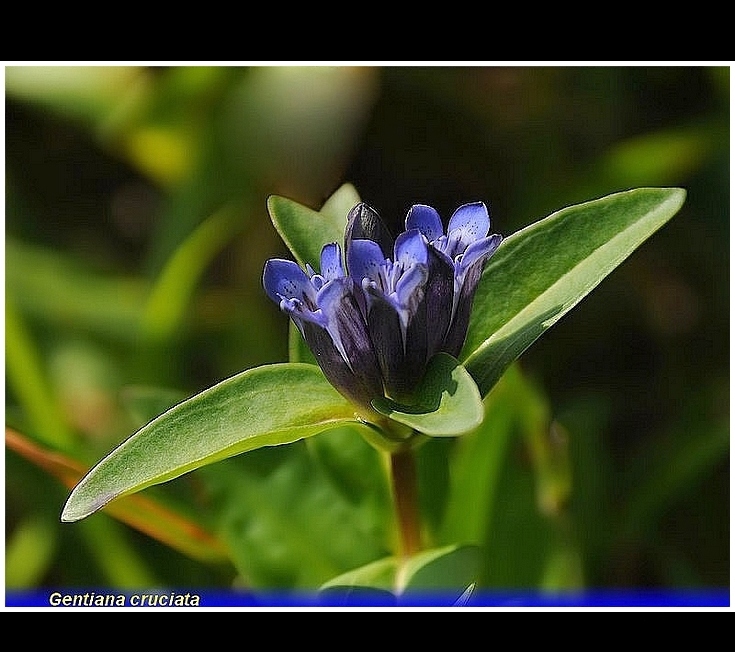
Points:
point(264, 406)
point(448, 402)
point(306, 231)
point(541, 272)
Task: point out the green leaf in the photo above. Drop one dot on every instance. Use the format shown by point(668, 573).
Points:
point(306, 231)
point(264, 406)
point(27, 376)
point(541, 272)
point(517, 506)
point(341, 202)
point(29, 553)
point(452, 568)
point(355, 468)
point(667, 469)
point(448, 402)
point(287, 523)
point(379, 574)
point(143, 403)
point(477, 463)
point(298, 349)
point(57, 289)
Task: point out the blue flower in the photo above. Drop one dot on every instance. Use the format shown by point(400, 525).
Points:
point(376, 318)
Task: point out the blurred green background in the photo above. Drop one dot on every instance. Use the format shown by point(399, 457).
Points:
point(136, 232)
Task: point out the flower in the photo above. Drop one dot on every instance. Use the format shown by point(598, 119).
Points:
point(375, 318)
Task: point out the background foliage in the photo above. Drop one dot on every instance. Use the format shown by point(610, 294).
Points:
point(136, 231)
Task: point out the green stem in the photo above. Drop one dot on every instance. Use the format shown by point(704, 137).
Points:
point(405, 495)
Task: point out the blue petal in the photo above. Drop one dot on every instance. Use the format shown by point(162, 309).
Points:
point(332, 299)
point(364, 258)
point(348, 334)
point(426, 219)
point(470, 222)
point(411, 248)
point(285, 279)
point(331, 262)
point(409, 290)
point(480, 250)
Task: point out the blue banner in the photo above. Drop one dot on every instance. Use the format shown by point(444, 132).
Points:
point(67, 598)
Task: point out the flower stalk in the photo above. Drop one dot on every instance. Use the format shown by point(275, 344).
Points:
point(405, 496)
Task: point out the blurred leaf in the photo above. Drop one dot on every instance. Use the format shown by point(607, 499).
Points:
point(519, 541)
point(453, 567)
point(496, 497)
point(92, 93)
point(298, 124)
point(164, 154)
point(258, 407)
point(433, 476)
point(548, 446)
point(290, 522)
point(171, 295)
point(670, 470)
point(53, 287)
point(563, 570)
point(259, 127)
point(116, 557)
point(144, 403)
point(362, 587)
point(305, 231)
point(447, 402)
point(29, 380)
point(298, 349)
point(541, 272)
point(475, 466)
point(659, 157)
point(354, 467)
point(379, 574)
point(28, 553)
point(586, 419)
point(145, 515)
